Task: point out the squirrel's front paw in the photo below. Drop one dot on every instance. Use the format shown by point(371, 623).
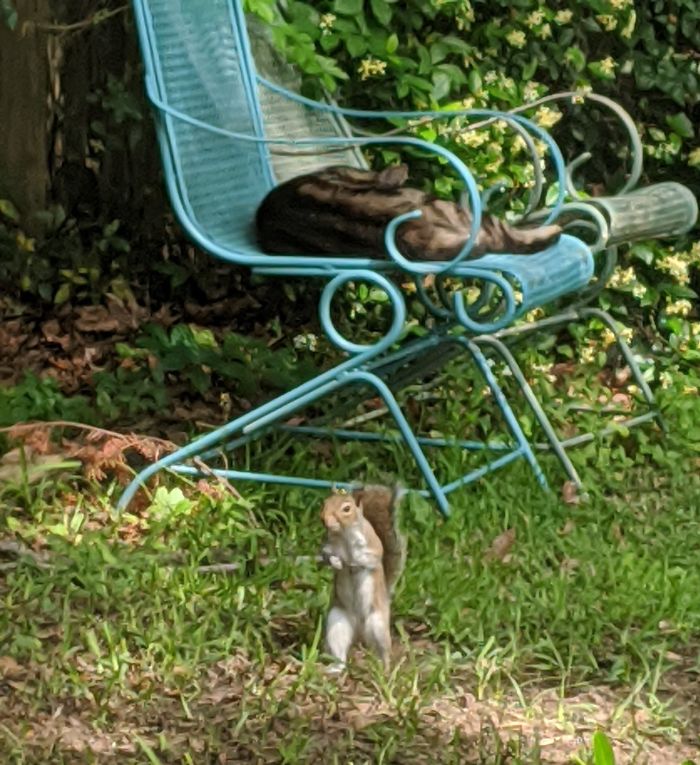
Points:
point(335, 562)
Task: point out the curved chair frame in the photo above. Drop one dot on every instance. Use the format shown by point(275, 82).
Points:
point(201, 80)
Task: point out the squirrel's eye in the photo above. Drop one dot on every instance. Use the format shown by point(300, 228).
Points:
point(346, 508)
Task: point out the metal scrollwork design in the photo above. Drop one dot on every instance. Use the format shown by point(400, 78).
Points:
point(395, 297)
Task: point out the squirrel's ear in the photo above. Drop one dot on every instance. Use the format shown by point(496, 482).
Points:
point(358, 502)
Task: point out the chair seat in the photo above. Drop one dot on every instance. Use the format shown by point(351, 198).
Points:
point(564, 267)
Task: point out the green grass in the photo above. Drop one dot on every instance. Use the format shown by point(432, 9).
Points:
point(121, 648)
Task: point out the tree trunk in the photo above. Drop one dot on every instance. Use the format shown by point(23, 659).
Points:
point(75, 129)
point(25, 110)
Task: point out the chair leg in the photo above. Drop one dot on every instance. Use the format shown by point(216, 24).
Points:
point(532, 400)
point(302, 394)
point(558, 445)
point(608, 320)
point(266, 415)
point(383, 390)
point(500, 398)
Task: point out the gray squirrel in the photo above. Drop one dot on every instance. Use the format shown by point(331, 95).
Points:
point(367, 551)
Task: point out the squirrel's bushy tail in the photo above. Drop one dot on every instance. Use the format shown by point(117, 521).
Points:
point(380, 507)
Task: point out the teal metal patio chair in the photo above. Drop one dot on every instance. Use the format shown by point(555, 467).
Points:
point(230, 126)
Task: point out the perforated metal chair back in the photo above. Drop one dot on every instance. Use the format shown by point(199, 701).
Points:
point(201, 64)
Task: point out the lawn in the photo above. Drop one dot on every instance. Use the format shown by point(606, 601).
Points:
point(190, 629)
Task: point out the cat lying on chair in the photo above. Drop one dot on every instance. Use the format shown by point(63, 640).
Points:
point(344, 211)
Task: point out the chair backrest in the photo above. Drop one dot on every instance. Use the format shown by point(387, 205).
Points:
point(198, 61)
point(285, 118)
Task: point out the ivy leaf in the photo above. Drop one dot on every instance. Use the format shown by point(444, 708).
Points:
point(8, 14)
point(438, 52)
point(9, 210)
point(575, 58)
point(441, 85)
point(356, 45)
point(643, 253)
point(474, 81)
point(455, 74)
point(418, 83)
point(681, 125)
point(392, 43)
point(529, 69)
point(348, 7)
point(62, 294)
point(382, 12)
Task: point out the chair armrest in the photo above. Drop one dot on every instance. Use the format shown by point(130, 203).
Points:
point(487, 116)
point(624, 117)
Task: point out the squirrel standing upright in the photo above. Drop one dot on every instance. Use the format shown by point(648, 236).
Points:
point(367, 550)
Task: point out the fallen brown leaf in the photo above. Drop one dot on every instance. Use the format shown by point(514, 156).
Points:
point(501, 545)
point(10, 669)
point(623, 400)
point(51, 330)
point(567, 528)
point(114, 317)
point(569, 564)
point(569, 493)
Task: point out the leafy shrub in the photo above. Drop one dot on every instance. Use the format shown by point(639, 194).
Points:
point(449, 54)
point(501, 54)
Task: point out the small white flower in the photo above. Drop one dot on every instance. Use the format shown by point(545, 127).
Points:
point(679, 308)
point(588, 354)
point(534, 19)
point(607, 65)
point(621, 277)
point(534, 315)
point(530, 91)
point(471, 138)
point(607, 21)
point(639, 291)
point(307, 341)
point(516, 38)
point(326, 22)
point(518, 145)
point(370, 67)
point(677, 267)
point(546, 117)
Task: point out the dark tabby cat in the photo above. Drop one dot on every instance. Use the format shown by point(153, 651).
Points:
point(343, 211)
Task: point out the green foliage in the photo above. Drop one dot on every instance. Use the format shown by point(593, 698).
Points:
point(602, 749)
point(41, 399)
point(128, 612)
point(8, 13)
point(77, 259)
point(500, 55)
point(199, 359)
point(162, 363)
point(456, 54)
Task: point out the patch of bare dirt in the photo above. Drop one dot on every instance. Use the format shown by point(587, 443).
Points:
point(239, 711)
